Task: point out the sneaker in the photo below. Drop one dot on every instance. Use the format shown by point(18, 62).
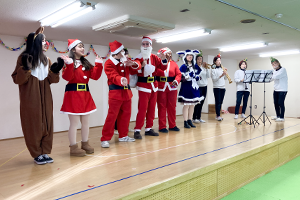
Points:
point(104, 144)
point(236, 116)
point(151, 133)
point(163, 130)
point(126, 139)
point(48, 159)
point(274, 117)
point(202, 121)
point(196, 121)
point(174, 129)
point(40, 160)
point(116, 132)
point(137, 135)
point(279, 120)
point(243, 115)
point(219, 118)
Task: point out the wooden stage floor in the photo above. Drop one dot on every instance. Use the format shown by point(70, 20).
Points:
point(125, 168)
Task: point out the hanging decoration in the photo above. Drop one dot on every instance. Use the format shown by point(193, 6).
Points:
point(11, 48)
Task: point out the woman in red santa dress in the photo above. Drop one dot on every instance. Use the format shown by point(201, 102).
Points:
point(168, 81)
point(117, 69)
point(78, 102)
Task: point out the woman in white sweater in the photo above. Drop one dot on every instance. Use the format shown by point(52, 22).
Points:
point(280, 89)
point(202, 82)
point(218, 77)
point(242, 89)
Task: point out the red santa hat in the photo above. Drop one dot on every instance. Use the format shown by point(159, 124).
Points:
point(147, 39)
point(164, 51)
point(115, 47)
point(72, 43)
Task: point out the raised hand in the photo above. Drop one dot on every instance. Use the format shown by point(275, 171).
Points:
point(27, 61)
point(66, 59)
point(99, 58)
point(57, 66)
point(197, 78)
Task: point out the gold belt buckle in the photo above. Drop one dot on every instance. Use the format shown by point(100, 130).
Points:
point(80, 84)
point(150, 79)
point(125, 87)
point(163, 79)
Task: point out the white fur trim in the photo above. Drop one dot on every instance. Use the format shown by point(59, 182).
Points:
point(69, 113)
point(72, 45)
point(118, 50)
point(114, 60)
point(69, 61)
point(147, 39)
point(143, 89)
point(98, 61)
point(134, 67)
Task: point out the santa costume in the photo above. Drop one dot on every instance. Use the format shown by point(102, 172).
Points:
point(168, 81)
point(78, 100)
point(147, 86)
point(119, 95)
point(36, 105)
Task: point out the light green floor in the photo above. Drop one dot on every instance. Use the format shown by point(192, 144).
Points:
point(281, 184)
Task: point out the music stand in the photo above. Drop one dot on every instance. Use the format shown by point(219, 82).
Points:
point(250, 77)
point(265, 77)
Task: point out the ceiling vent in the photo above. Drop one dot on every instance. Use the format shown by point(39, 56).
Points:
point(133, 26)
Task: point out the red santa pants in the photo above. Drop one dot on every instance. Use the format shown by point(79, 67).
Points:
point(120, 110)
point(146, 108)
point(166, 104)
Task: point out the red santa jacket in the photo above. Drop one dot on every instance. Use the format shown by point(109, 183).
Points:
point(155, 61)
point(171, 71)
point(114, 71)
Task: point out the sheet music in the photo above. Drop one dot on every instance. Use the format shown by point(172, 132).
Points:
point(259, 76)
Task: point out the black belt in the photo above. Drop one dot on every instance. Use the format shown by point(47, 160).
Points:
point(146, 79)
point(165, 79)
point(117, 87)
point(77, 87)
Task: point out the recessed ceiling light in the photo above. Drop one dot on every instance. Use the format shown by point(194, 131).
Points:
point(184, 35)
point(243, 47)
point(248, 21)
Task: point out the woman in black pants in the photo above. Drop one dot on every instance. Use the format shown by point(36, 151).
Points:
point(204, 75)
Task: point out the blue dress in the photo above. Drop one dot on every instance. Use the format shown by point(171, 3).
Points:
point(189, 95)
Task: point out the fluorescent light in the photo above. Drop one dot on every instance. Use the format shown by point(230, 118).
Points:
point(75, 15)
point(67, 13)
point(243, 47)
point(183, 36)
point(279, 53)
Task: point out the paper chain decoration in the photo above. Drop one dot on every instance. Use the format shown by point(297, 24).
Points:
point(51, 43)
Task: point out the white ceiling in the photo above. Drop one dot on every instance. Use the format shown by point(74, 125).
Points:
point(20, 17)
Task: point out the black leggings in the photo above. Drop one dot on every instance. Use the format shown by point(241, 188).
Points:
point(219, 94)
point(198, 107)
point(279, 98)
point(239, 96)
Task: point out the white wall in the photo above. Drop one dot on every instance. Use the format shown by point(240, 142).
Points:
point(10, 125)
point(293, 96)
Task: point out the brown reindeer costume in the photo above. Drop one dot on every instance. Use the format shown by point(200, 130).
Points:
point(36, 106)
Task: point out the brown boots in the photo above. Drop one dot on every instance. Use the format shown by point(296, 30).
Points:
point(85, 148)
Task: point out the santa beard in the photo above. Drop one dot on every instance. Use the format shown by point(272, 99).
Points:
point(146, 52)
point(123, 58)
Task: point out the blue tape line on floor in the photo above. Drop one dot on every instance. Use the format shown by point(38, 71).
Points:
point(171, 164)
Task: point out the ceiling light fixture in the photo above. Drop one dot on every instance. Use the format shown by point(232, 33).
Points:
point(184, 35)
point(279, 53)
point(67, 13)
point(243, 47)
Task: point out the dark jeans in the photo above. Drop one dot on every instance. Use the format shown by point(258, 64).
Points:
point(279, 98)
point(198, 107)
point(219, 94)
point(239, 96)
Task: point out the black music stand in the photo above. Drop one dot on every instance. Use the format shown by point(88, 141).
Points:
point(250, 77)
point(265, 77)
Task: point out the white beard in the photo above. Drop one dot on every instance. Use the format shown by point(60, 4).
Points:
point(146, 52)
point(123, 58)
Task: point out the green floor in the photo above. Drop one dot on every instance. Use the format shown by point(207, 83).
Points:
point(283, 183)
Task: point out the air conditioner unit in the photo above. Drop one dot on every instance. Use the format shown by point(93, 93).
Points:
point(133, 26)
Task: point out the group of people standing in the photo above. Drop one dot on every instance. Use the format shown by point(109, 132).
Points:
point(157, 80)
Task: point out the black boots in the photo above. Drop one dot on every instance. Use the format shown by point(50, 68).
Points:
point(186, 125)
point(189, 124)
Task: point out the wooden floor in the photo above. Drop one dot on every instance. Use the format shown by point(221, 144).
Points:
point(126, 167)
